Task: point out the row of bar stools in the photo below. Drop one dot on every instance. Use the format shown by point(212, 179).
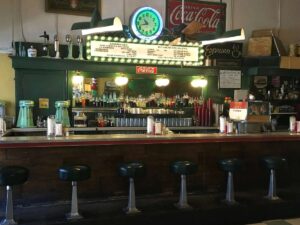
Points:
point(231, 165)
point(16, 175)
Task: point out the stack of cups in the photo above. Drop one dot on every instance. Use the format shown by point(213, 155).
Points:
point(226, 127)
point(2, 125)
point(150, 125)
point(222, 124)
point(293, 124)
point(229, 127)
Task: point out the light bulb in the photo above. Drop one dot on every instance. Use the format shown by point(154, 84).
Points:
point(77, 79)
point(199, 83)
point(121, 80)
point(162, 82)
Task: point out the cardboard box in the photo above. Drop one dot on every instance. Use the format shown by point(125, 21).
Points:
point(289, 62)
point(260, 46)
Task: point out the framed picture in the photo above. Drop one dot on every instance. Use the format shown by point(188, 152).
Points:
point(209, 14)
point(73, 7)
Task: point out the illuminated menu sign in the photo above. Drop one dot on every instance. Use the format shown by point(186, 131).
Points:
point(136, 51)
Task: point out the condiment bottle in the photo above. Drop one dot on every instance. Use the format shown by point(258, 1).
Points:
point(31, 52)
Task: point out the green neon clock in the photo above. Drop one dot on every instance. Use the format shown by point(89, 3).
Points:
point(146, 23)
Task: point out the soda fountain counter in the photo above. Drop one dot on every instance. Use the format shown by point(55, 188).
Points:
point(43, 155)
point(103, 153)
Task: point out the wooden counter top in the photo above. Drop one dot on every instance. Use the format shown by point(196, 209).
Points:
point(126, 139)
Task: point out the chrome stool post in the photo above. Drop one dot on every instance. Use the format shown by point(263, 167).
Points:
point(74, 173)
point(183, 203)
point(272, 187)
point(230, 189)
point(74, 214)
point(131, 170)
point(230, 166)
point(131, 208)
point(10, 176)
point(272, 163)
point(183, 168)
point(9, 213)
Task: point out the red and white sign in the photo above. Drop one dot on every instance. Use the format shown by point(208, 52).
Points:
point(238, 111)
point(146, 70)
point(238, 105)
point(209, 14)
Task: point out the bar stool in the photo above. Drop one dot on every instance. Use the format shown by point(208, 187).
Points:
point(272, 163)
point(230, 166)
point(10, 176)
point(131, 170)
point(74, 173)
point(183, 168)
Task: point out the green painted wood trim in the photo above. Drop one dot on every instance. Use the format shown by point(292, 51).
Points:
point(41, 63)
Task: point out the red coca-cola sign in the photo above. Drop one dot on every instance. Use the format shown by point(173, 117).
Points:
point(146, 70)
point(209, 14)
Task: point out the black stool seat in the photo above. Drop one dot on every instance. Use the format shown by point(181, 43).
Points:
point(230, 165)
point(13, 175)
point(184, 167)
point(74, 172)
point(273, 162)
point(132, 169)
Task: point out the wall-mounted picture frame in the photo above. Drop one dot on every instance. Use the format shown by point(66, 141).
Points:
point(72, 7)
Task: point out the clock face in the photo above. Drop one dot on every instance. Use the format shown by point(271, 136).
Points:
point(146, 23)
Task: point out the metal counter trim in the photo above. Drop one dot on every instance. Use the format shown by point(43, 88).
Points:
point(139, 139)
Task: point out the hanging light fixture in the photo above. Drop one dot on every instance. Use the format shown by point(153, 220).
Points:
point(220, 35)
point(162, 82)
point(121, 80)
point(228, 36)
point(199, 82)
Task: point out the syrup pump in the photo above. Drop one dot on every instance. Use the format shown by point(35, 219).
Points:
point(56, 46)
point(45, 44)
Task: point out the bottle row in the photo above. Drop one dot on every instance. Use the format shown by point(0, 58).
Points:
point(154, 100)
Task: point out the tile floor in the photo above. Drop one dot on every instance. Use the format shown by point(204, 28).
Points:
point(159, 210)
point(295, 221)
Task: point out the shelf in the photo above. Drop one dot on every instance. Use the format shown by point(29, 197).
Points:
point(106, 69)
point(94, 109)
point(284, 113)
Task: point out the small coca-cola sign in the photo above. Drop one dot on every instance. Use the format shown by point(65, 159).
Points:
point(209, 14)
point(146, 70)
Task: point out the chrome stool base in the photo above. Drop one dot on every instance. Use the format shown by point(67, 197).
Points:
point(8, 222)
point(130, 211)
point(70, 216)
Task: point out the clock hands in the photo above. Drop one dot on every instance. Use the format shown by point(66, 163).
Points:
point(145, 23)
